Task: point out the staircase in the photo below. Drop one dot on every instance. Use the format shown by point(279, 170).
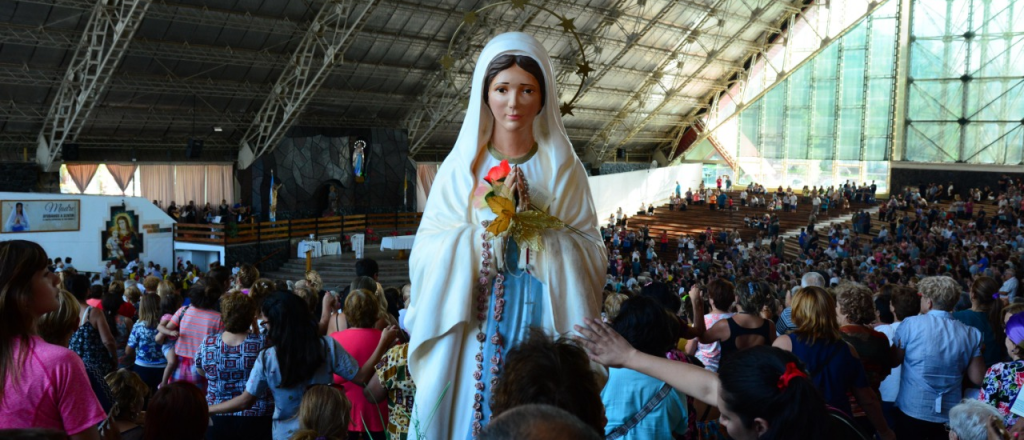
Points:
point(338, 271)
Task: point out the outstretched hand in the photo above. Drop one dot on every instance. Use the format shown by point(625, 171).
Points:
point(604, 345)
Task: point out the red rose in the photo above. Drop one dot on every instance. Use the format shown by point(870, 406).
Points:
point(498, 173)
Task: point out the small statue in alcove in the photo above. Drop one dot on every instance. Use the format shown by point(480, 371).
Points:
point(334, 201)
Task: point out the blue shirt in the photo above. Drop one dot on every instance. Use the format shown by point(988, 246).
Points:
point(147, 352)
point(628, 391)
point(937, 349)
point(266, 374)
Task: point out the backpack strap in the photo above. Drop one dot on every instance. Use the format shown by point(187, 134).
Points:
point(636, 419)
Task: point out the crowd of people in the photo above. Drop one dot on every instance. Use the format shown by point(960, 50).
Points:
point(914, 333)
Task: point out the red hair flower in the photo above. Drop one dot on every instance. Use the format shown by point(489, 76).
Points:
point(498, 173)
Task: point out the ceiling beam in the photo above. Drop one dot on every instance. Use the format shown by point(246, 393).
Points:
point(321, 48)
point(60, 39)
point(755, 13)
point(707, 130)
point(107, 34)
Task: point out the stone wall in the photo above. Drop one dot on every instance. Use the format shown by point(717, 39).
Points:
point(308, 160)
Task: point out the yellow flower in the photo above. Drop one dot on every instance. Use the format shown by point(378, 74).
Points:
point(505, 209)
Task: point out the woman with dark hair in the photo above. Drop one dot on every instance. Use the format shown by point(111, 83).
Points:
point(298, 357)
point(985, 315)
point(746, 328)
point(360, 340)
point(541, 370)
point(720, 297)
point(832, 365)
point(177, 412)
point(120, 326)
point(194, 323)
point(646, 326)
point(41, 385)
point(762, 392)
point(903, 303)
point(93, 340)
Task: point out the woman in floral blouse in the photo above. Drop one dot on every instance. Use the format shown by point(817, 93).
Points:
point(395, 385)
point(1004, 380)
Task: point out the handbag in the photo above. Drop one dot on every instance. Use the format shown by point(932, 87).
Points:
point(638, 417)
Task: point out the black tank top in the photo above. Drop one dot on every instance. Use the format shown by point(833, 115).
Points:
point(736, 331)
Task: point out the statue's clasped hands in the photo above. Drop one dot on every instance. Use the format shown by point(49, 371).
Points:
point(516, 181)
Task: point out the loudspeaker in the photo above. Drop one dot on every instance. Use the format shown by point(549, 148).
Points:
point(194, 149)
point(620, 153)
point(69, 152)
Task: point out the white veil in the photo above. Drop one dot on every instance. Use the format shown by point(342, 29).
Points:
point(445, 260)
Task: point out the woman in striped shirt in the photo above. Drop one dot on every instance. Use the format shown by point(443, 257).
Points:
point(196, 321)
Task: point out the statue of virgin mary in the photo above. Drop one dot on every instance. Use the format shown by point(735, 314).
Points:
point(474, 295)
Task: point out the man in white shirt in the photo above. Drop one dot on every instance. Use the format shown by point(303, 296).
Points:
point(133, 264)
point(816, 205)
point(1009, 288)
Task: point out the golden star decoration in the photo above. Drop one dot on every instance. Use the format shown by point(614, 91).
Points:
point(584, 69)
point(568, 24)
point(566, 109)
point(520, 4)
point(470, 18)
point(447, 62)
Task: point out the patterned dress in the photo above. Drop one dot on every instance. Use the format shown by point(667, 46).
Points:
point(86, 342)
point(393, 372)
point(124, 330)
point(227, 370)
point(1002, 383)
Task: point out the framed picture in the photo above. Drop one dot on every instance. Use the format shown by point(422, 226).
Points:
point(40, 216)
point(122, 238)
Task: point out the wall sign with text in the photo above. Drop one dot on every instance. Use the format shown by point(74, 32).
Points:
point(40, 215)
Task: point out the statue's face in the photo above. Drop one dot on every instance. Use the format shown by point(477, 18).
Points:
point(514, 99)
point(122, 224)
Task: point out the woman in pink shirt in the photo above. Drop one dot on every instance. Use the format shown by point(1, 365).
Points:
point(360, 340)
point(43, 385)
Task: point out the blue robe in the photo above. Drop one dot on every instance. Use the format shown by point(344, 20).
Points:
point(524, 308)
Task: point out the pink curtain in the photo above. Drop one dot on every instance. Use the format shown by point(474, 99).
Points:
point(425, 174)
point(157, 183)
point(189, 184)
point(122, 174)
point(82, 174)
point(220, 184)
